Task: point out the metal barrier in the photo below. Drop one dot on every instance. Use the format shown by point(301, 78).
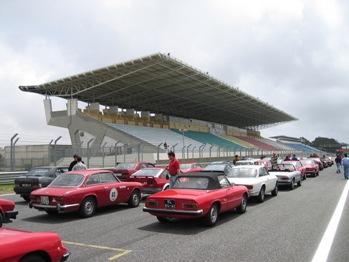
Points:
point(8, 178)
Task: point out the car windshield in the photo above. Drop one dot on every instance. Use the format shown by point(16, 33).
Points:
point(243, 172)
point(147, 172)
point(185, 166)
point(68, 180)
point(307, 162)
point(126, 165)
point(38, 171)
point(184, 182)
point(215, 167)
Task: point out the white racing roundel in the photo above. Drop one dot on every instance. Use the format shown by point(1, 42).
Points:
point(113, 195)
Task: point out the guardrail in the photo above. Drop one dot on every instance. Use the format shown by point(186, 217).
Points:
point(8, 178)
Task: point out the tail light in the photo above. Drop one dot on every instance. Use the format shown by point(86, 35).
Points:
point(190, 205)
point(151, 203)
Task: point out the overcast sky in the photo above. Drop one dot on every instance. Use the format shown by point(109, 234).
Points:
point(293, 55)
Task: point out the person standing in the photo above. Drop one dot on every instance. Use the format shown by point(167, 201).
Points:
point(173, 167)
point(345, 165)
point(79, 165)
point(338, 161)
point(73, 163)
point(294, 157)
point(236, 158)
point(274, 160)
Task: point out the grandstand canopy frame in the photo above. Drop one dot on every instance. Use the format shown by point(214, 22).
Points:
point(161, 84)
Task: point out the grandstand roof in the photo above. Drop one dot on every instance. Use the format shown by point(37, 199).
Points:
point(161, 84)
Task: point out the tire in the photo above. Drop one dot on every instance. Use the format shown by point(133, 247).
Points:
point(292, 185)
point(32, 258)
point(163, 219)
point(51, 212)
point(261, 195)
point(87, 207)
point(1, 219)
point(242, 207)
point(26, 198)
point(212, 216)
point(305, 177)
point(299, 183)
point(135, 198)
point(276, 190)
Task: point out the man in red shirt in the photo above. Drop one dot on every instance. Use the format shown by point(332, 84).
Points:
point(173, 167)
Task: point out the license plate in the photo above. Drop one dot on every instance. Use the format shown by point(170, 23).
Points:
point(170, 204)
point(26, 185)
point(45, 200)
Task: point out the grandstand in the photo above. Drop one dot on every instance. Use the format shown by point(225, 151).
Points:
point(138, 105)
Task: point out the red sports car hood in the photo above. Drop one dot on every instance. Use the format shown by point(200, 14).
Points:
point(54, 191)
point(180, 193)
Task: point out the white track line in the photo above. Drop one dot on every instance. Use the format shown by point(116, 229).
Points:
point(327, 239)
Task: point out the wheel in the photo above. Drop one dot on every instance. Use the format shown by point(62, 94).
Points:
point(242, 207)
point(299, 183)
point(211, 218)
point(276, 190)
point(135, 198)
point(51, 212)
point(1, 219)
point(32, 258)
point(261, 195)
point(87, 207)
point(163, 219)
point(26, 198)
point(292, 184)
point(305, 177)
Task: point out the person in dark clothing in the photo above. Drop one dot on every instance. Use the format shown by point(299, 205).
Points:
point(73, 163)
point(338, 161)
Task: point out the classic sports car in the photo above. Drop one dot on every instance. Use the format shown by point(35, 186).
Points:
point(190, 167)
point(311, 167)
point(287, 174)
point(36, 178)
point(25, 246)
point(256, 178)
point(154, 179)
point(195, 195)
point(298, 165)
point(124, 170)
point(265, 162)
point(219, 166)
point(7, 211)
point(84, 191)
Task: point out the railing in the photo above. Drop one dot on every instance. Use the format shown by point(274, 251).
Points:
point(8, 178)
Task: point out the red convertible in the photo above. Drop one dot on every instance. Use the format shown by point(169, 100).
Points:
point(124, 170)
point(195, 195)
point(154, 179)
point(24, 246)
point(7, 211)
point(84, 191)
point(190, 167)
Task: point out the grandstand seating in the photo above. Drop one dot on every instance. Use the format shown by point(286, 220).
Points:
point(207, 138)
point(304, 148)
point(256, 143)
point(277, 145)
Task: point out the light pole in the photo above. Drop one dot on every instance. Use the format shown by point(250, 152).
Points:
point(88, 152)
point(12, 150)
point(183, 150)
point(158, 153)
point(188, 151)
point(55, 157)
point(116, 153)
point(103, 151)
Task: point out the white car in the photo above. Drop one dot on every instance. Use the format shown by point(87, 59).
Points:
point(256, 178)
point(287, 175)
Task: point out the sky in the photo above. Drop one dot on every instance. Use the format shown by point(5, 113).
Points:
point(293, 55)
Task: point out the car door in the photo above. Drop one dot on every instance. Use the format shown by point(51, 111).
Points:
point(93, 185)
point(114, 191)
point(269, 180)
point(228, 193)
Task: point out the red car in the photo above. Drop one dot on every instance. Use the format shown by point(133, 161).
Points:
point(311, 167)
point(195, 195)
point(24, 246)
point(7, 211)
point(84, 191)
point(154, 179)
point(124, 170)
point(298, 166)
point(265, 162)
point(190, 167)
